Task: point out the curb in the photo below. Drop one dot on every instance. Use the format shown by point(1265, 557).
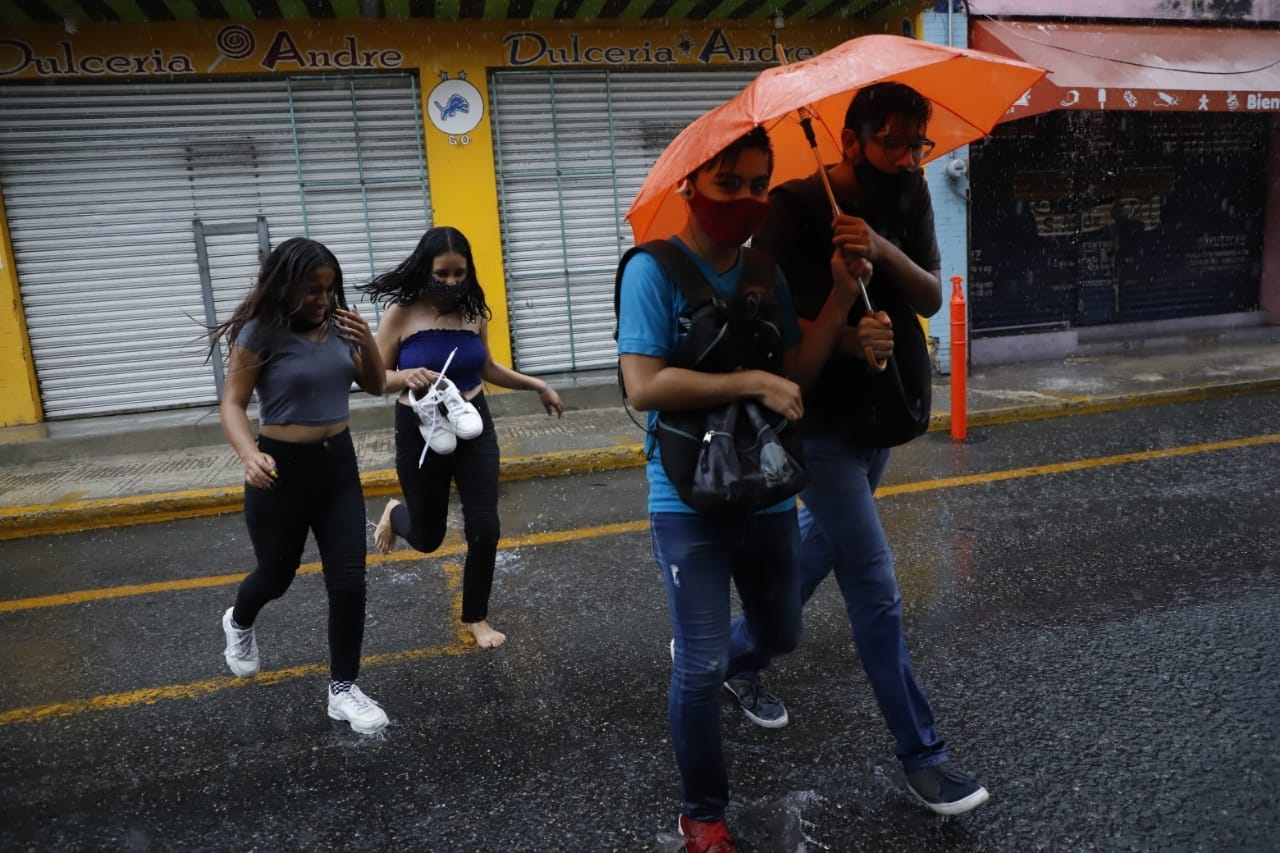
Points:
point(76, 516)
point(99, 513)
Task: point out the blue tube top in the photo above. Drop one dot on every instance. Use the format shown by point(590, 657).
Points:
point(430, 347)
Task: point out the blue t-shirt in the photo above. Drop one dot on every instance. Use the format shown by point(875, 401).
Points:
point(648, 324)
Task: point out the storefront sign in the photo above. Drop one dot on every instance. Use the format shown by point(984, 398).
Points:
point(530, 48)
point(280, 51)
point(18, 56)
point(182, 48)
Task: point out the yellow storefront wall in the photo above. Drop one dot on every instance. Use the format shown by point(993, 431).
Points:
point(459, 150)
point(19, 396)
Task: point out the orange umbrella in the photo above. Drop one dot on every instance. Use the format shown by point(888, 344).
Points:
point(970, 91)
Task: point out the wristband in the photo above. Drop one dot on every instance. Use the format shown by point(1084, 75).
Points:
point(545, 388)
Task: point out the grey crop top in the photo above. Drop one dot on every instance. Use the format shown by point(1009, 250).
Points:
point(302, 381)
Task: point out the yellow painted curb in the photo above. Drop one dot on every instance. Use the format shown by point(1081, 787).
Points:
point(73, 516)
point(95, 514)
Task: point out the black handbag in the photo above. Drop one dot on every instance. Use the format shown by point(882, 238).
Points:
point(890, 407)
point(732, 459)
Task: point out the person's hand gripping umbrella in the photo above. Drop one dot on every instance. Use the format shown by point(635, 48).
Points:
point(806, 124)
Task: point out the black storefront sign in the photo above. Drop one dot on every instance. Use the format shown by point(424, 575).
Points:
point(1087, 218)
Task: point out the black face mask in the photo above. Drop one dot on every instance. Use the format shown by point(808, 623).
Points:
point(877, 188)
point(446, 295)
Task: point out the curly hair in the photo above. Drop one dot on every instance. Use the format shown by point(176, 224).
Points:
point(276, 296)
point(404, 284)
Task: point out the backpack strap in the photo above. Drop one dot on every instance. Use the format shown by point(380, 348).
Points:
point(759, 273)
point(677, 263)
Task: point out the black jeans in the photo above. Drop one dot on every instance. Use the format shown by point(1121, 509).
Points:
point(421, 520)
point(318, 489)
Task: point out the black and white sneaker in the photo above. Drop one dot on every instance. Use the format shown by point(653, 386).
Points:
point(760, 706)
point(946, 789)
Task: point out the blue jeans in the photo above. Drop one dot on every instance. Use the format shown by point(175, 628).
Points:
point(699, 556)
point(840, 532)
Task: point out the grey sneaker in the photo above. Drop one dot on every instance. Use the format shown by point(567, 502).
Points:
point(760, 706)
point(242, 648)
point(946, 789)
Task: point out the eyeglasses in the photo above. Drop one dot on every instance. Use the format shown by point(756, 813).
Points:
point(895, 145)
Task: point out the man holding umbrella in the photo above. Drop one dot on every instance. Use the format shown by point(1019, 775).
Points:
point(889, 222)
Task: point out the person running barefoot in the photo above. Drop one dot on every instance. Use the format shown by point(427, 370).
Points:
point(294, 342)
point(434, 331)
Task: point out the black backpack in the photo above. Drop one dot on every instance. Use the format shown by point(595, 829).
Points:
point(741, 457)
point(720, 335)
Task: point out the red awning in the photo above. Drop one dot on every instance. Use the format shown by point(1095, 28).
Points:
point(1124, 67)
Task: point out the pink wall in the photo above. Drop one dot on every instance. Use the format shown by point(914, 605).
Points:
point(1270, 288)
point(1258, 10)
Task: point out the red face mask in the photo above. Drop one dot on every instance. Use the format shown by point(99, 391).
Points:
point(729, 223)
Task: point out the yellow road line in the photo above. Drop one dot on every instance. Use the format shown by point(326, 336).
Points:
point(195, 689)
point(453, 577)
point(149, 696)
point(1076, 465)
point(455, 546)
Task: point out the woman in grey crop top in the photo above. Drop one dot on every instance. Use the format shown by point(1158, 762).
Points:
point(435, 299)
point(294, 342)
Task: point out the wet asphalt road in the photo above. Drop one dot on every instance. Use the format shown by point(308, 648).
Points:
point(1100, 639)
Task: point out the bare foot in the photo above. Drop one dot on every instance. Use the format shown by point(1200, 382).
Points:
point(486, 637)
point(383, 536)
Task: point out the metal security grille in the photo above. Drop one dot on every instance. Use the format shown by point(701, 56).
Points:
point(110, 188)
point(1094, 218)
point(573, 148)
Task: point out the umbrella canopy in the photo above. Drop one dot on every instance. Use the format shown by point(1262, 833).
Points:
point(970, 91)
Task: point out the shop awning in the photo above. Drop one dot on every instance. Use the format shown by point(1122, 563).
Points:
point(1124, 67)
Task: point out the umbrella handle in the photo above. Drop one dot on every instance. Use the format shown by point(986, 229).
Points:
point(806, 124)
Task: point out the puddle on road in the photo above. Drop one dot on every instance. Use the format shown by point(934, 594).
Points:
point(776, 826)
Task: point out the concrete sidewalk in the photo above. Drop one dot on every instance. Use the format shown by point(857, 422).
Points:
point(99, 472)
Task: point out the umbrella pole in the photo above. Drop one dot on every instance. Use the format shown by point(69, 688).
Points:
point(806, 124)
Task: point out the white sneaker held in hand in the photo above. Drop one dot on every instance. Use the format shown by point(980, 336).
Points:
point(436, 429)
point(464, 417)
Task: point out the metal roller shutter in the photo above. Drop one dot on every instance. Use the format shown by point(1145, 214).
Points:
point(573, 148)
point(1091, 218)
point(109, 189)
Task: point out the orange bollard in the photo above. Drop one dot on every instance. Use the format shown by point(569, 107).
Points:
point(959, 361)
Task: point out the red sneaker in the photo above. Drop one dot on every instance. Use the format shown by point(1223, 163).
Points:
point(706, 836)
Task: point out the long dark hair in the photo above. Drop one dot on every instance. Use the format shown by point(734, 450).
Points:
point(276, 296)
point(404, 284)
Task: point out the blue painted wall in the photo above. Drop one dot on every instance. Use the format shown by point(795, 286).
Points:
point(950, 205)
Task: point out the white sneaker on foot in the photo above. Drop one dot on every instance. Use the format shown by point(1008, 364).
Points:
point(242, 648)
point(365, 715)
point(464, 417)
